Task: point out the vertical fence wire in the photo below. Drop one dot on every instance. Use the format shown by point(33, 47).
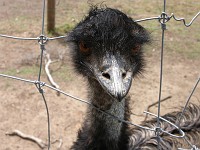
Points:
point(42, 40)
point(163, 28)
point(187, 102)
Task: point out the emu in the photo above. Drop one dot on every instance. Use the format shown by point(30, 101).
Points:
point(107, 49)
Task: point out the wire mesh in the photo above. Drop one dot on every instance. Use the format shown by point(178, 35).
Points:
point(42, 41)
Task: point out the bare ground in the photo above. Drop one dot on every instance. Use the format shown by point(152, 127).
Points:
point(22, 107)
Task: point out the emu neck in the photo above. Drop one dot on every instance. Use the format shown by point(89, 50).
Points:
point(104, 128)
point(105, 102)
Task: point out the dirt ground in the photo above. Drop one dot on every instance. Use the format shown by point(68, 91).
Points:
point(22, 107)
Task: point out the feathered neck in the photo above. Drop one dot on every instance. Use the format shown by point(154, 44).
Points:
point(105, 131)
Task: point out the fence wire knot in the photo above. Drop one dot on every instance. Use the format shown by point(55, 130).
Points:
point(42, 39)
point(158, 131)
point(39, 86)
point(164, 18)
point(194, 147)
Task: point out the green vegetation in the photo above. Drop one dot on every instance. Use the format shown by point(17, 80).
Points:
point(62, 30)
point(63, 74)
point(24, 71)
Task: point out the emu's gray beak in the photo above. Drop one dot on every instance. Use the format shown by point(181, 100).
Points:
point(114, 79)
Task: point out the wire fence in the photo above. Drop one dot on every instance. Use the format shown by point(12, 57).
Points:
point(43, 40)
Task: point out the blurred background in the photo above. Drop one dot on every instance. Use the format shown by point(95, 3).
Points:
point(21, 105)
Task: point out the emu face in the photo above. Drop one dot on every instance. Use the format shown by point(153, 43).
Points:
point(107, 47)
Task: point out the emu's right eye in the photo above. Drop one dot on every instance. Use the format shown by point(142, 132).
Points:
point(136, 49)
point(84, 48)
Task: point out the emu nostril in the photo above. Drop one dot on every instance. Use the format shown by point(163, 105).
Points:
point(124, 75)
point(106, 75)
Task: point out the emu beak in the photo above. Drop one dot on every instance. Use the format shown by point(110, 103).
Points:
point(115, 79)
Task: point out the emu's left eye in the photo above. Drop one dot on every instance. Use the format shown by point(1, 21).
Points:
point(84, 48)
point(136, 49)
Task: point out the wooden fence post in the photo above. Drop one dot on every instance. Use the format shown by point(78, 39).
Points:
point(50, 15)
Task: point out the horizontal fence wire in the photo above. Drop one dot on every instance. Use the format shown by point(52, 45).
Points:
point(42, 41)
point(167, 18)
point(36, 39)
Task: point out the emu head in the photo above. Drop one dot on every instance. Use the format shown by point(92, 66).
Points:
point(107, 47)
